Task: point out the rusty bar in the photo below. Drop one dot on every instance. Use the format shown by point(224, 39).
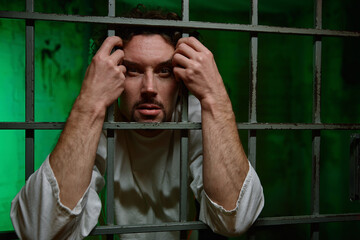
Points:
point(184, 125)
point(261, 222)
point(253, 84)
point(316, 134)
point(184, 143)
point(184, 139)
point(29, 91)
point(180, 24)
point(354, 183)
point(307, 219)
point(253, 92)
point(110, 147)
point(177, 226)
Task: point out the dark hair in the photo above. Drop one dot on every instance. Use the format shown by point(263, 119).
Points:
point(171, 35)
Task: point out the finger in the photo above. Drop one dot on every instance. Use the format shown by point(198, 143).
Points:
point(180, 60)
point(117, 56)
point(186, 50)
point(179, 73)
point(122, 68)
point(192, 42)
point(109, 44)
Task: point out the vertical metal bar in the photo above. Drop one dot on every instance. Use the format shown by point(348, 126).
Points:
point(184, 139)
point(252, 92)
point(110, 146)
point(354, 183)
point(253, 84)
point(29, 92)
point(316, 135)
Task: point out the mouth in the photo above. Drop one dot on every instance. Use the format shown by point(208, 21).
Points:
point(149, 109)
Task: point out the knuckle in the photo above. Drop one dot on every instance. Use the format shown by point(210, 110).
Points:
point(189, 72)
point(209, 54)
point(192, 39)
point(200, 58)
point(96, 58)
point(197, 66)
point(112, 38)
point(182, 45)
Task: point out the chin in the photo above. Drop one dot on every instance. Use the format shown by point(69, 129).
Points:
point(142, 119)
point(149, 121)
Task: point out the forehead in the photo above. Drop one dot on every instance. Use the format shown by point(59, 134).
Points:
point(145, 48)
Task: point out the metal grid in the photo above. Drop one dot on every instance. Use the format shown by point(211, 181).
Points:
point(252, 126)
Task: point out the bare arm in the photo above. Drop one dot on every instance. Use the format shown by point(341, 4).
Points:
point(225, 164)
point(73, 157)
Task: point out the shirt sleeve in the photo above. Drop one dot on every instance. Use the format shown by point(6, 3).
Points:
point(236, 221)
point(37, 213)
point(250, 201)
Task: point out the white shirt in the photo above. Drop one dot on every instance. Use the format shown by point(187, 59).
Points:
point(146, 191)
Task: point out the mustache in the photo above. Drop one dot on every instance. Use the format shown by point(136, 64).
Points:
point(148, 101)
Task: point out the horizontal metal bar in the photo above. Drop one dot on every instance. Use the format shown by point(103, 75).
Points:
point(8, 235)
point(179, 24)
point(177, 226)
point(164, 227)
point(183, 125)
point(270, 221)
point(307, 219)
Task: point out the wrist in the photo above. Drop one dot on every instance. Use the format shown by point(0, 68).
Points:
point(219, 106)
point(89, 108)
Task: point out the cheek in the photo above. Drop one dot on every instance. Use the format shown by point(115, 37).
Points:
point(172, 94)
point(131, 90)
point(127, 98)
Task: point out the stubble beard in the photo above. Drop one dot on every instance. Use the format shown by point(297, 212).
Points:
point(149, 101)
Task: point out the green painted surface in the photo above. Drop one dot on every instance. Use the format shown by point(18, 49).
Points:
point(285, 68)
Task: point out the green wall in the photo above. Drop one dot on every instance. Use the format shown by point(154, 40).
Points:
point(285, 68)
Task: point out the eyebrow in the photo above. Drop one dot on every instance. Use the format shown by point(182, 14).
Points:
point(134, 64)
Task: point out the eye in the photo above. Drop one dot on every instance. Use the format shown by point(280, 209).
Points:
point(132, 71)
point(165, 72)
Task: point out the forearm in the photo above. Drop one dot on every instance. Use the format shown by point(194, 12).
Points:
point(225, 164)
point(73, 158)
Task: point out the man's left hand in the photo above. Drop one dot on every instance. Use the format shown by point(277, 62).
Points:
point(194, 64)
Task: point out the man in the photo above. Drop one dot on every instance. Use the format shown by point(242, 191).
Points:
point(60, 200)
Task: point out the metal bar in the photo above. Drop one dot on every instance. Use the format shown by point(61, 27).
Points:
point(307, 219)
point(184, 158)
point(269, 221)
point(183, 125)
point(316, 134)
point(8, 235)
point(29, 91)
point(110, 147)
point(196, 225)
point(354, 183)
point(184, 176)
point(165, 227)
point(252, 92)
point(110, 178)
point(253, 84)
point(315, 172)
point(180, 24)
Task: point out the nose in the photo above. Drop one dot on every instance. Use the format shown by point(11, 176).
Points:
point(149, 86)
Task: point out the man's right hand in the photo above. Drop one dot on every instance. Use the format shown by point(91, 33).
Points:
point(73, 157)
point(104, 78)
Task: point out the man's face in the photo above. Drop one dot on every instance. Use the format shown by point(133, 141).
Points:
point(151, 90)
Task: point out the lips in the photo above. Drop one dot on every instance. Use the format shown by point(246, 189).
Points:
point(148, 106)
point(149, 109)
